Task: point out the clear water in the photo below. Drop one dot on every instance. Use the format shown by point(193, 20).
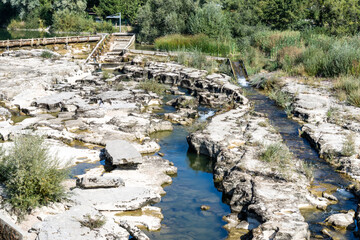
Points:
point(192, 187)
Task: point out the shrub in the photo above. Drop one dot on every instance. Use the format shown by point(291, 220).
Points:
point(272, 41)
point(78, 22)
point(198, 60)
point(119, 87)
point(308, 170)
point(265, 83)
point(350, 87)
point(198, 126)
point(348, 148)
point(277, 154)
point(152, 86)
point(209, 20)
point(92, 222)
point(32, 177)
point(47, 54)
point(281, 98)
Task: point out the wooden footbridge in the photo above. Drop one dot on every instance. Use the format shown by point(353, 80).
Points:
point(33, 42)
point(119, 43)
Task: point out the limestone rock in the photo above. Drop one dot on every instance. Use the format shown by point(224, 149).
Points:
point(120, 152)
point(99, 182)
point(115, 199)
point(342, 220)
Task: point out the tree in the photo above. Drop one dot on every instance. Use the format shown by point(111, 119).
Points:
point(339, 17)
point(209, 20)
point(127, 8)
point(23, 6)
point(282, 14)
point(160, 17)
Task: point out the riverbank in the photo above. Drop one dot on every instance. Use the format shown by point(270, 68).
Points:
point(80, 111)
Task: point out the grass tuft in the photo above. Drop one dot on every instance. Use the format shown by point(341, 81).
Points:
point(92, 222)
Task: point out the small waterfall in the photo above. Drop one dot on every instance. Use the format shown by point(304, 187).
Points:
point(205, 115)
point(239, 71)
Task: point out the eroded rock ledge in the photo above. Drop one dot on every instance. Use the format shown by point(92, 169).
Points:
point(254, 188)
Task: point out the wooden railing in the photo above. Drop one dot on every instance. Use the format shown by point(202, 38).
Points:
point(46, 41)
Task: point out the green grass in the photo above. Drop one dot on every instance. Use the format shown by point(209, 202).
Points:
point(30, 174)
point(198, 42)
point(152, 86)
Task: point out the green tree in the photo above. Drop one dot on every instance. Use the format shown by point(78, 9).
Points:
point(340, 17)
point(128, 8)
point(23, 6)
point(282, 14)
point(209, 20)
point(160, 17)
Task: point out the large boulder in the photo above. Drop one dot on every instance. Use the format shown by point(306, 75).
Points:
point(120, 152)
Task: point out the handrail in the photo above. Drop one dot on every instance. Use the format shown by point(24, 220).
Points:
point(131, 41)
point(96, 47)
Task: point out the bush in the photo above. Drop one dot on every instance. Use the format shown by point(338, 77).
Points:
point(152, 86)
point(47, 54)
point(92, 222)
point(197, 60)
point(277, 154)
point(32, 177)
point(198, 126)
point(348, 148)
point(209, 20)
point(272, 41)
point(349, 87)
point(281, 98)
point(78, 22)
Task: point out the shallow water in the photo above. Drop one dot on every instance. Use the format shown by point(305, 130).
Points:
point(325, 177)
point(192, 187)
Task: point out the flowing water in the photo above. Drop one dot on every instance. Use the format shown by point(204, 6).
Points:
point(192, 187)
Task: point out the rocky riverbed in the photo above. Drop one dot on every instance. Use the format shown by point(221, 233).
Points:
point(86, 115)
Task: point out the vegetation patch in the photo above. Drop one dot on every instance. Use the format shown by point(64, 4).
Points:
point(200, 43)
point(276, 153)
point(152, 86)
point(92, 222)
point(348, 148)
point(47, 54)
point(32, 177)
point(198, 126)
point(197, 59)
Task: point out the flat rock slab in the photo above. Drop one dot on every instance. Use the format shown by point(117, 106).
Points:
point(99, 182)
point(53, 101)
point(120, 152)
point(115, 199)
point(67, 226)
